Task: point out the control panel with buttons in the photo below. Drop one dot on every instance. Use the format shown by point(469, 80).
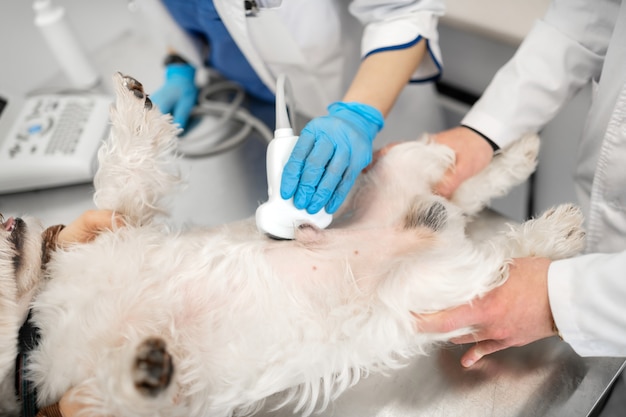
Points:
point(52, 140)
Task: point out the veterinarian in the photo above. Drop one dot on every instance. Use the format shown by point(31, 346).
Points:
point(311, 41)
point(580, 299)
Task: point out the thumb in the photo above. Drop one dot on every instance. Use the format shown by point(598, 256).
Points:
point(479, 350)
point(448, 184)
point(182, 110)
point(295, 164)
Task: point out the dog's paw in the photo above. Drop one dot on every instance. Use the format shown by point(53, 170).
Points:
point(556, 234)
point(136, 88)
point(153, 367)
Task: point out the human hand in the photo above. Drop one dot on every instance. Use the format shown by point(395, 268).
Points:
point(473, 153)
point(88, 226)
point(329, 155)
point(513, 314)
point(178, 94)
point(68, 406)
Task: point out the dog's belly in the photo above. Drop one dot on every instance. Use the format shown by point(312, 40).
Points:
point(231, 323)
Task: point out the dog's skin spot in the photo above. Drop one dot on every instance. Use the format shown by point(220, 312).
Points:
point(434, 216)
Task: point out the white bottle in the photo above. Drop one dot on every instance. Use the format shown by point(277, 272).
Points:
point(70, 54)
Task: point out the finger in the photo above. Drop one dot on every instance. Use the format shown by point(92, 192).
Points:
point(330, 182)
point(465, 339)
point(342, 191)
point(480, 350)
point(183, 109)
point(295, 164)
point(163, 100)
point(88, 226)
point(444, 321)
point(98, 220)
point(314, 167)
point(447, 185)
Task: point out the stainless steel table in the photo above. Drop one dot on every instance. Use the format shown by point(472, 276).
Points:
point(543, 379)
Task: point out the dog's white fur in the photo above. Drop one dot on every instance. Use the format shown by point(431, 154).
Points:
point(245, 317)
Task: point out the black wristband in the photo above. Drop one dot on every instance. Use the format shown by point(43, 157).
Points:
point(491, 143)
point(174, 59)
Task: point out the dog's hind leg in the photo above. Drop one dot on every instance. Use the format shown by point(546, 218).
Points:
point(508, 169)
point(136, 163)
point(556, 234)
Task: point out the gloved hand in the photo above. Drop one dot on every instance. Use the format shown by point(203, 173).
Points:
point(329, 155)
point(178, 94)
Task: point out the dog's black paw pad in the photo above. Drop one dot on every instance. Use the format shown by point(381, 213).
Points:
point(153, 367)
point(137, 89)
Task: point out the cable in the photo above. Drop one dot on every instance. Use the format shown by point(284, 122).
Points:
point(285, 105)
point(227, 112)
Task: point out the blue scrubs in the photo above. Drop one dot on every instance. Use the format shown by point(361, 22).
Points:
point(199, 18)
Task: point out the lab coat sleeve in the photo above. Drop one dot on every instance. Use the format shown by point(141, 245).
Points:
point(588, 302)
point(393, 25)
point(563, 51)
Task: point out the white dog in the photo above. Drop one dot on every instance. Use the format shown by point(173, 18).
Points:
point(147, 321)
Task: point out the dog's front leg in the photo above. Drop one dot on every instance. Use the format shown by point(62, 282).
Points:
point(133, 381)
point(136, 163)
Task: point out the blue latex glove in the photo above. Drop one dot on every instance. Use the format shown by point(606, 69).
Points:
point(178, 94)
point(329, 155)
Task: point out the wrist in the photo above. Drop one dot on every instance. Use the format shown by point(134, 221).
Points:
point(174, 58)
point(494, 146)
point(180, 70)
point(369, 117)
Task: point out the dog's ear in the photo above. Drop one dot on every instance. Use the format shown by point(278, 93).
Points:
point(49, 239)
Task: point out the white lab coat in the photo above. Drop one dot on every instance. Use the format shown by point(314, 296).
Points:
point(316, 42)
point(577, 42)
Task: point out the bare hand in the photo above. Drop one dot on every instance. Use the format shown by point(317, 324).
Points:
point(514, 314)
point(88, 226)
point(70, 406)
point(473, 154)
